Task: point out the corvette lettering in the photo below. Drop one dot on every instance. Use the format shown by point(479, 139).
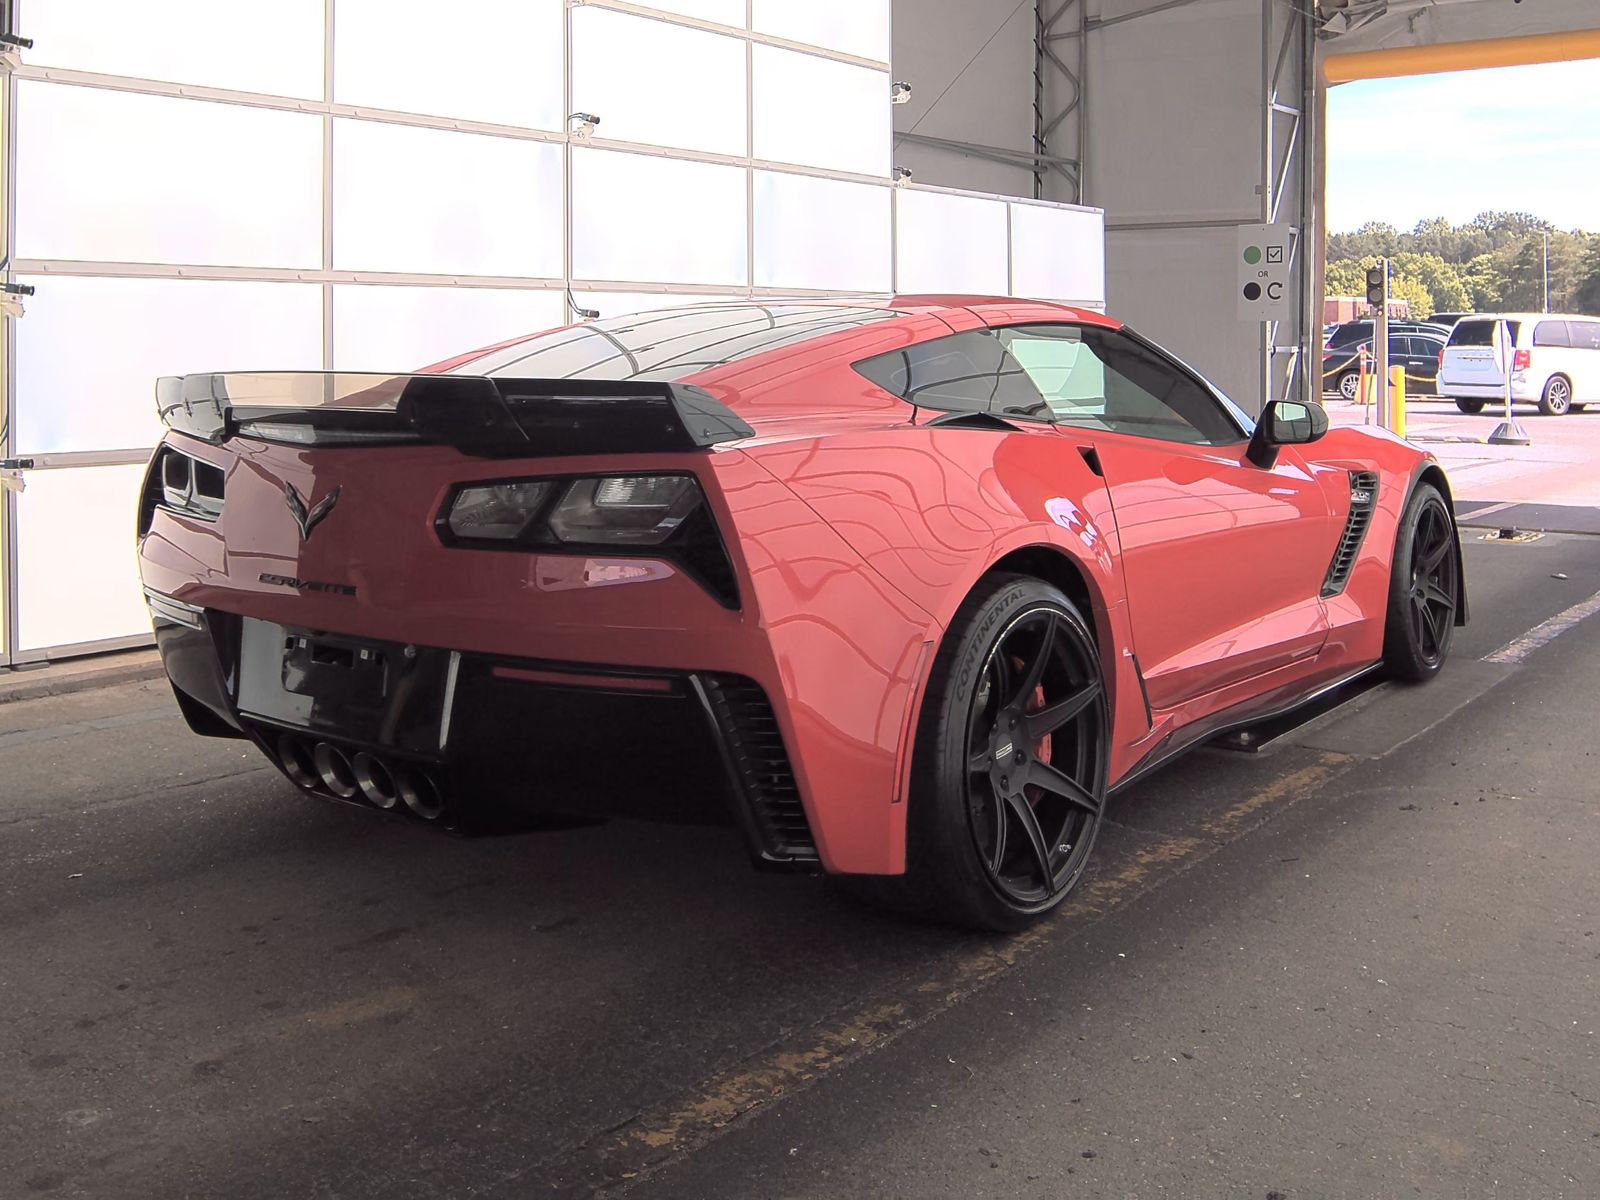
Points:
point(309, 585)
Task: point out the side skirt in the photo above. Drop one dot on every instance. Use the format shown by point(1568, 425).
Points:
point(1251, 712)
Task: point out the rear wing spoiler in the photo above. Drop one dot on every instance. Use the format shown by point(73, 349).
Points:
point(479, 415)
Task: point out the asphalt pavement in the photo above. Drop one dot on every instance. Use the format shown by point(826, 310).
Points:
point(1361, 960)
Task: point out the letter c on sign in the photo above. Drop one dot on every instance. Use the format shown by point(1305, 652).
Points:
point(1274, 290)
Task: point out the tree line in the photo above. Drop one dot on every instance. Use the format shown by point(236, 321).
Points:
point(1493, 263)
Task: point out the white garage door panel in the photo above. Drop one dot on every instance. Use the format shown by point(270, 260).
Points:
point(90, 350)
point(657, 220)
point(274, 48)
point(91, 591)
point(859, 27)
point(818, 113)
point(1058, 254)
point(620, 304)
point(654, 82)
point(947, 243)
point(724, 12)
point(430, 201)
point(404, 328)
point(484, 60)
point(821, 233)
point(112, 175)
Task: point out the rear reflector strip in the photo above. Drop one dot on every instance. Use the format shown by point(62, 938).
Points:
point(625, 683)
point(175, 612)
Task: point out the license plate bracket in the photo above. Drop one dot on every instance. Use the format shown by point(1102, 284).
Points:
point(382, 694)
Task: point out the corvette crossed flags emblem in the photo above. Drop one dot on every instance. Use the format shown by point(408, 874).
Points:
point(308, 518)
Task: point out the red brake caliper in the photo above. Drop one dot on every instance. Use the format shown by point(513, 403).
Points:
point(1042, 750)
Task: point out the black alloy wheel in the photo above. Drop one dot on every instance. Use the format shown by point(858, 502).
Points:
point(1349, 385)
point(1009, 778)
point(1033, 757)
point(1424, 588)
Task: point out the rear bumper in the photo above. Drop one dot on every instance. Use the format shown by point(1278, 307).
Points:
point(1520, 391)
point(475, 742)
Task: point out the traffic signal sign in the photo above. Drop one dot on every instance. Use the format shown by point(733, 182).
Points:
point(1378, 287)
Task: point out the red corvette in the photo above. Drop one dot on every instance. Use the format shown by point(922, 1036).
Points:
point(903, 588)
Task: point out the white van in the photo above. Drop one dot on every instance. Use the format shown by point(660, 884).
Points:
point(1555, 362)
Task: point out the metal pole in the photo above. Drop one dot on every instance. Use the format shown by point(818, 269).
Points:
point(1264, 188)
point(1508, 432)
point(1547, 272)
point(1380, 353)
point(9, 586)
point(1038, 98)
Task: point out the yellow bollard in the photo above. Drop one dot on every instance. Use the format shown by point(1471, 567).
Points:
point(1397, 400)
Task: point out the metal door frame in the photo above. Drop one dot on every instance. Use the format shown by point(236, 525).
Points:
point(8, 344)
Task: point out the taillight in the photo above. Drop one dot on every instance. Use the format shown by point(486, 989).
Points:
point(1522, 361)
point(1441, 360)
point(664, 515)
point(181, 483)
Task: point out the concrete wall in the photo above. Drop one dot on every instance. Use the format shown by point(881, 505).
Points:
point(1173, 132)
point(1174, 157)
point(970, 66)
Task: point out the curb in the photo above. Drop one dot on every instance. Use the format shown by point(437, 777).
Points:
point(58, 680)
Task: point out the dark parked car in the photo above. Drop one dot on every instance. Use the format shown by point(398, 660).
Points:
point(1353, 333)
point(1418, 352)
point(1447, 319)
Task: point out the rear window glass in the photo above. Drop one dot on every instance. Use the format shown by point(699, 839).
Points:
point(1585, 334)
point(1551, 333)
point(1479, 333)
point(965, 372)
point(668, 345)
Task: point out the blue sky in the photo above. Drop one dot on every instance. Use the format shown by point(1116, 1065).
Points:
point(1525, 139)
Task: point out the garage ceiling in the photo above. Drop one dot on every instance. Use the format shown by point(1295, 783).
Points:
point(1382, 24)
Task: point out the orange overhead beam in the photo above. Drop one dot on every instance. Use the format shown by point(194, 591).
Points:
point(1462, 56)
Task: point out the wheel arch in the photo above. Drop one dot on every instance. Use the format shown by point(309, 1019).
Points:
point(1432, 473)
point(1049, 563)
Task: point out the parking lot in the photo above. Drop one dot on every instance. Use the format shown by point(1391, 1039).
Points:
point(1366, 952)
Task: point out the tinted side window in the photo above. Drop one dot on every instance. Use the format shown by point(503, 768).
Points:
point(1101, 378)
point(1551, 333)
point(965, 372)
point(1585, 334)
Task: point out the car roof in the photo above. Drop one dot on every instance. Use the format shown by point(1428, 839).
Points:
point(684, 342)
point(1525, 316)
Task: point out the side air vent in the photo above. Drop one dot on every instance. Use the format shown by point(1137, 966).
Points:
point(1363, 499)
point(760, 766)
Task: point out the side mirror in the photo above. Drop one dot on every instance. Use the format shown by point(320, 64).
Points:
point(1286, 423)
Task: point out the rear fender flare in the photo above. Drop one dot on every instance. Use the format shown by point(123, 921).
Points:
point(1096, 583)
point(1429, 471)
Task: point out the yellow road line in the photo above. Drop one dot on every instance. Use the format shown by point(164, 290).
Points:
point(695, 1118)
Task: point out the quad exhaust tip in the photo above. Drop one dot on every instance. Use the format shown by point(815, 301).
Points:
point(335, 771)
point(420, 794)
point(324, 767)
point(295, 756)
point(375, 780)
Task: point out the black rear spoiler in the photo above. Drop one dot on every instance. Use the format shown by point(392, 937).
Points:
point(479, 415)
